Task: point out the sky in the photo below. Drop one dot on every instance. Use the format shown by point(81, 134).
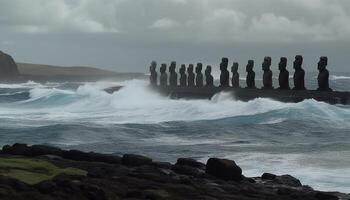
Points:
point(126, 35)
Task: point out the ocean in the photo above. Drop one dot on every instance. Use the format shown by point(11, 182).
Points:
point(309, 140)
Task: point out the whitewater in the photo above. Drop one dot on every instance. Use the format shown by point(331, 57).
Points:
point(309, 140)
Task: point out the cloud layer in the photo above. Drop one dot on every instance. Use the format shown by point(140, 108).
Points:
point(195, 20)
point(127, 34)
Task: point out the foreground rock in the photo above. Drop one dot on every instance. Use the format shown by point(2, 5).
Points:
point(81, 175)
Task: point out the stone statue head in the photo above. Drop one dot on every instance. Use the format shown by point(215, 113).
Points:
point(190, 68)
point(267, 63)
point(199, 67)
point(224, 64)
point(282, 65)
point(208, 70)
point(250, 66)
point(153, 66)
point(322, 64)
point(298, 62)
point(182, 69)
point(163, 68)
point(172, 66)
point(234, 67)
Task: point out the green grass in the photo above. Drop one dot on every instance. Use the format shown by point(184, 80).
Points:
point(33, 171)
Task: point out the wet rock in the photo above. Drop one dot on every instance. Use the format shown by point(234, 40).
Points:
point(46, 187)
point(288, 180)
point(268, 176)
point(77, 155)
point(39, 150)
point(162, 165)
point(224, 169)
point(17, 149)
point(111, 159)
point(325, 196)
point(135, 160)
point(190, 162)
point(186, 170)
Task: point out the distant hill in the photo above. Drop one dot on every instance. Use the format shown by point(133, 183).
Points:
point(39, 72)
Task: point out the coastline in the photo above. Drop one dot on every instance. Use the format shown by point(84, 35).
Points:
point(72, 174)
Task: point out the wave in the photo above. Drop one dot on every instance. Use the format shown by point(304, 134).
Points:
point(135, 103)
point(334, 77)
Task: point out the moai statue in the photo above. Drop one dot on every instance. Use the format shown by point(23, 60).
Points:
point(250, 74)
point(235, 75)
point(323, 76)
point(163, 76)
point(199, 75)
point(191, 76)
point(225, 74)
point(154, 75)
point(283, 77)
point(183, 76)
point(267, 76)
point(299, 74)
point(173, 74)
point(208, 77)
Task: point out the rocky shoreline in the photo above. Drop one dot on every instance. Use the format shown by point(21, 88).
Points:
point(43, 172)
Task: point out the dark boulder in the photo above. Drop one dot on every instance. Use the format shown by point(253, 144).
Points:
point(76, 155)
point(135, 160)
point(40, 150)
point(46, 187)
point(187, 170)
point(190, 162)
point(224, 169)
point(325, 196)
point(17, 149)
point(268, 176)
point(8, 67)
point(288, 180)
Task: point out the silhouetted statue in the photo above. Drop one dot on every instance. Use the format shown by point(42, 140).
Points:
point(208, 77)
point(163, 76)
point(191, 76)
point(299, 74)
point(183, 76)
point(250, 74)
point(267, 76)
point(173, 74)
point(199, 77)
point(283, 77)
point(323, 76)
point(235, 75)
point(225, 74)
point(154, 75)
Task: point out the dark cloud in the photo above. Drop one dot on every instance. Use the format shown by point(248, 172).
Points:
point(126, 34)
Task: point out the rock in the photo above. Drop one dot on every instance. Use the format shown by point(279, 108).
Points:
point(46, 187)
point(40, 150)
point(111, 159)
point(17, 149)
point(186, 170)
point(76, 155)
point(224, 169)
point(288, 180)
point(135, 160)
point(325, 196)
point(8, 67)
point(190, 162)
point(162, 165)
point(268, 176)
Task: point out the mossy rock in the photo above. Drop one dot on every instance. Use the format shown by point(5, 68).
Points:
point(33, 171)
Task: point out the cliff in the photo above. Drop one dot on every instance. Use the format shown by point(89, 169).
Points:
point(8, 67)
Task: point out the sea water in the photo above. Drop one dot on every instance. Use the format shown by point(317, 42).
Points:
point(309, 140)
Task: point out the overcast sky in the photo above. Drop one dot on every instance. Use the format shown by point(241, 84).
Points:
point(126, 35)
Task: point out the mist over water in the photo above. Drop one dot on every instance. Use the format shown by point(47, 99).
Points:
point(309, 140)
